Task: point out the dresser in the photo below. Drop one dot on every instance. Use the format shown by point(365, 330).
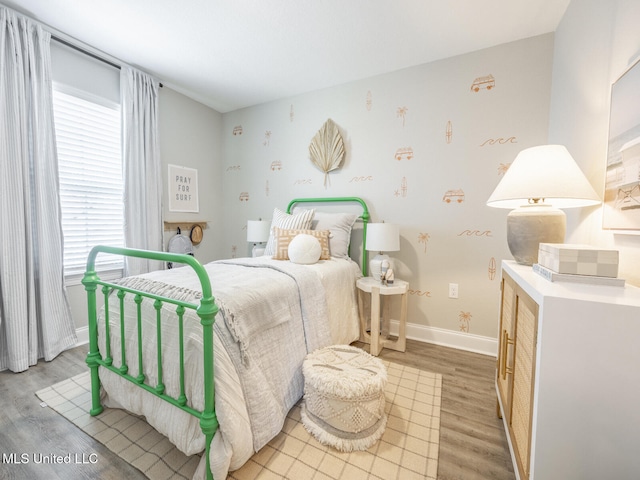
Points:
point(568, 377)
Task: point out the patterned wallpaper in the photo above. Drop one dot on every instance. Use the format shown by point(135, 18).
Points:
point(425, 147)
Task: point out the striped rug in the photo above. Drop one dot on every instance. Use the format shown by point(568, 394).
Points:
point(407, 450)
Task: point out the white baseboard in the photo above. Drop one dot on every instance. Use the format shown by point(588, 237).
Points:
point(83, 335)
point(449, 338)
point(438, 336)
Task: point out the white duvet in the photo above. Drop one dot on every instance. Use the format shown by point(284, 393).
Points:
point(270, 358)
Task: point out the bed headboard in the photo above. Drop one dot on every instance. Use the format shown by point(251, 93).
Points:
point(364, 216)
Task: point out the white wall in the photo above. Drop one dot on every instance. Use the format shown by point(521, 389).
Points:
point(190, 136)
point(440, 242)
point(594, 44)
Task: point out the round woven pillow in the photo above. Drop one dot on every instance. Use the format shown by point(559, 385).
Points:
point(344, 398)
point(304, 249)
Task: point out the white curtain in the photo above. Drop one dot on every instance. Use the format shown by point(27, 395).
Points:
point(35, 318)
point(142, 176)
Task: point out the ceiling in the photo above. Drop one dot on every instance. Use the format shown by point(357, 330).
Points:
point(230, 54)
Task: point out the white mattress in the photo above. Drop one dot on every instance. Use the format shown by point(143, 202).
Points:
point(233, 443)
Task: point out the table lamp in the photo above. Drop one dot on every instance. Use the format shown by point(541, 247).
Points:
point(258, 233)
point(381, 237)
point(539, 182)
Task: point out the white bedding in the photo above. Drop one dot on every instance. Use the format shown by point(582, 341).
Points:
point(235, 442)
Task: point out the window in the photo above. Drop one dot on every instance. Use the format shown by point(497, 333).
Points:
point(90, 175)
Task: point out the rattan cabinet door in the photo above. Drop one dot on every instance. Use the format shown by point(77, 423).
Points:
point(504, 377)
point(520, 420)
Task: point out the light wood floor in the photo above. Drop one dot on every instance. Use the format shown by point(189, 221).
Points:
point(473, 444)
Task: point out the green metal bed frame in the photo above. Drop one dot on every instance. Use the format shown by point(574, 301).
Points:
point(206, 311)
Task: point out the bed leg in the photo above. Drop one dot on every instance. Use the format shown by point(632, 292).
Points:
point(96, 406)
point(207, 450)
point(208, 421)
point(209, 425)
point(90, 286)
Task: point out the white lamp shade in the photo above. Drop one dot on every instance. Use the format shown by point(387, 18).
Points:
point(548, 173)
point(258, 231)
point(383, 237)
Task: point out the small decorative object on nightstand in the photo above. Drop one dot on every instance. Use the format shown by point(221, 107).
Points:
point(258, 233)
point(377, 339)
point(388, 277)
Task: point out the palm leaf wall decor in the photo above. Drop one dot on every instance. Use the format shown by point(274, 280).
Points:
point(327, 149)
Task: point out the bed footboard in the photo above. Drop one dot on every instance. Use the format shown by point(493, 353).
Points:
point(206, 310)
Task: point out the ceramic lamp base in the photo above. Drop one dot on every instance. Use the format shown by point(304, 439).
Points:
point(531, 225)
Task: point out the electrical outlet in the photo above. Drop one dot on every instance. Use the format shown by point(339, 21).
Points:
point(453, 290)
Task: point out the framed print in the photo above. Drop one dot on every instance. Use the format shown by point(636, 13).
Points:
point(183, 189)
point(621, 209)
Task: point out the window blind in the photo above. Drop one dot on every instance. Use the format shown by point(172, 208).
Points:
point(90, 176)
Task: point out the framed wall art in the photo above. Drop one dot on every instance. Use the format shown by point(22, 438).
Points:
point(622, 184)
point(183, 189)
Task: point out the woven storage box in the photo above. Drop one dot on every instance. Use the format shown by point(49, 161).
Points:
point(344, 397)
point(578, 259)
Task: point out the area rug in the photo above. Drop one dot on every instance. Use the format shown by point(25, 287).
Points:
point(407, 450)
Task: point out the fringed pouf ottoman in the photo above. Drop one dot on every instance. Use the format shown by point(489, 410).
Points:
point(344, 397)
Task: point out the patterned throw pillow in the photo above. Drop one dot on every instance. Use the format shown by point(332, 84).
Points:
point(282, 219)
point(284, 237)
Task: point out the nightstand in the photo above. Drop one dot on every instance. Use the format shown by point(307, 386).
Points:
point(376, 339)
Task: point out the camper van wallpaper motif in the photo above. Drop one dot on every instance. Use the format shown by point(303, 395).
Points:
point(483, 83)
point(276, 165)
point(453, 196)
point(404, 153)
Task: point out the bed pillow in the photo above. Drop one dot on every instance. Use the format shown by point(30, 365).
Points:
point(285, 236)
point(305, 249)
point(339, 224)
point(301, 220)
